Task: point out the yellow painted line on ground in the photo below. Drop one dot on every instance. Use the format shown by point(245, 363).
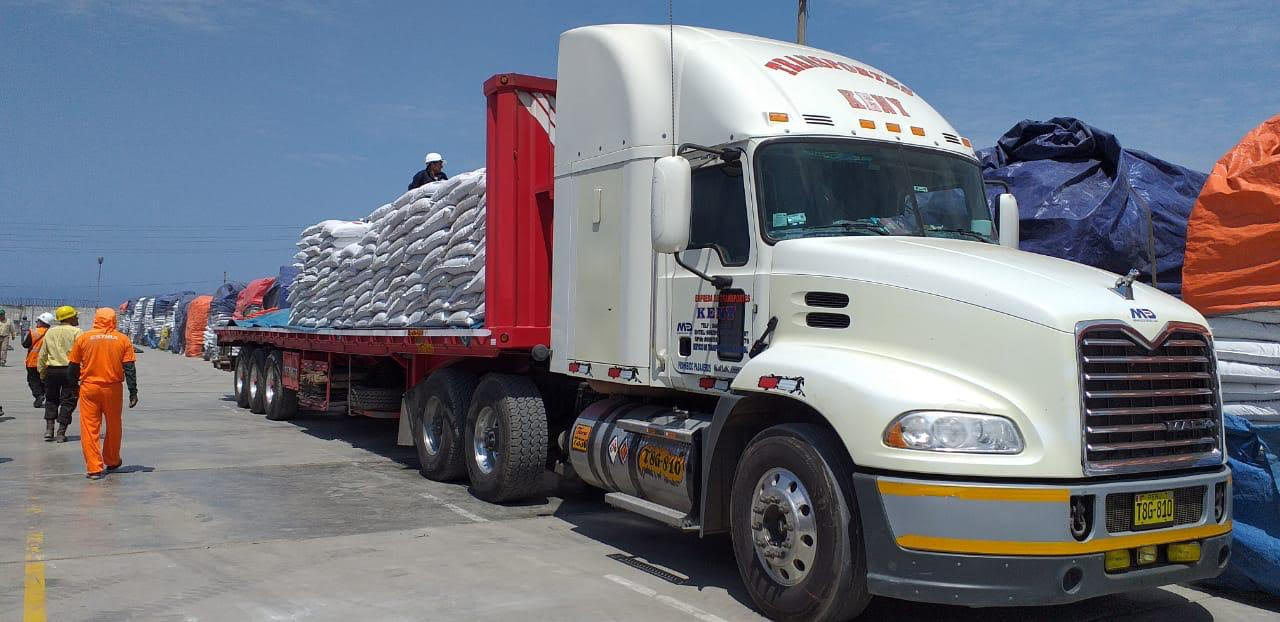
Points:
point(33, 592)
point(1004, 547)
point(975, 493)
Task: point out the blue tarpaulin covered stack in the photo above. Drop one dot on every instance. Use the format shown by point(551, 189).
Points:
point(221, 308)
point(1084, 198)
point(178, 339)
point(1255, 479)
point(278, 296)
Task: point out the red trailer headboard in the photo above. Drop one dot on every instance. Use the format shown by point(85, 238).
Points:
point(520, 132)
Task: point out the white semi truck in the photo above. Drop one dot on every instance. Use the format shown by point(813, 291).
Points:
point(761, 291)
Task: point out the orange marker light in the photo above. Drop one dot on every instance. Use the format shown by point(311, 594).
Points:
point(893, 127)
point(918, 131)
point(867, 124)
point(778, 117)
point(966, 142)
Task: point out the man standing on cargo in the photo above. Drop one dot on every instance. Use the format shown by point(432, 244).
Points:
point(433, 172)
point(100, 360)
point(32, 341)
point(7, 331)
point(59, 391)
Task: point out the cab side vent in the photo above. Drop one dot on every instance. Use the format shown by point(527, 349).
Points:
point(829, 300)
point(818, 119)
point(951, 138)
point(827, 320)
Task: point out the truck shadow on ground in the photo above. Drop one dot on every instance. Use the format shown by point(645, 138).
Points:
point(376, 436)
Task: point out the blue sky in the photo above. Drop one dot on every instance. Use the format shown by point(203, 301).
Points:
point(184, 138)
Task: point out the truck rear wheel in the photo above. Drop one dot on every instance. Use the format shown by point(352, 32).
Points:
point(280, 403)
point(795, 529)
point(240, 377)
point(257, 380)
point(506, 438)
point(437, 411)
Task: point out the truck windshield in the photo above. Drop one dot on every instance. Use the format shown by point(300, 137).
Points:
point(846, 187)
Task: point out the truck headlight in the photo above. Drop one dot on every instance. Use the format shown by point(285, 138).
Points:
point(954, 432)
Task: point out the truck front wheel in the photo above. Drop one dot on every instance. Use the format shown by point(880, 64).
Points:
point(437, 417)
point(506, 438)
point(796, 534)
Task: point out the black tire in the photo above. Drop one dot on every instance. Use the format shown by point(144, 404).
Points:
point(257, 380)
point(439, 405)
point(516, 442)
point(240, 377)
point(833, 585)
point(280, 403)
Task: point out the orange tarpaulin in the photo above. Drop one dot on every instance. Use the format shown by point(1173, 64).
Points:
point(1232, 262)
point(249, 302)
point(197, 319)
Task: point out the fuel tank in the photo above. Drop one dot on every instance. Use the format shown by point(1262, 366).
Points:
point(643, 450)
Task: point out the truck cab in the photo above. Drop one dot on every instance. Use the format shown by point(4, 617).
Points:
point(780, 267)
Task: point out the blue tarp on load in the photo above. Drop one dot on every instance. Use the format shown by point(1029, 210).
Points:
point(1255, 499)
point(1084, 198)
point(274, 319)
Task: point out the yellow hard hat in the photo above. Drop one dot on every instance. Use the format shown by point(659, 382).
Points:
point(64, 313)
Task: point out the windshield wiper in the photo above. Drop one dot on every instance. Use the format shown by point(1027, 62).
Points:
point(973, 234)
point(852, 226)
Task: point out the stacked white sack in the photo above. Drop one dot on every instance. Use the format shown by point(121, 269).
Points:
point(419, 263)
point(1248, 349)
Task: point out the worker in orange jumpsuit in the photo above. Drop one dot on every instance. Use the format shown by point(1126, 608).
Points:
point(100, 360)
point(31, 341)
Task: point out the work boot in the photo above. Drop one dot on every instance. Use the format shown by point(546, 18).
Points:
point(62, 433)
point(48, 430)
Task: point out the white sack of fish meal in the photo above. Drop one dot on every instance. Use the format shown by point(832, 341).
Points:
point(416, 262)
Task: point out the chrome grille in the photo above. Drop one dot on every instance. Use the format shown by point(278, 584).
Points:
point(1148, 408)
point(1188, 509)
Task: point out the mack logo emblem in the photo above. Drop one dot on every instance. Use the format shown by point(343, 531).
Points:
point(661, 462)
point(581, 434)
point(1183, 425)
point(1142, 315)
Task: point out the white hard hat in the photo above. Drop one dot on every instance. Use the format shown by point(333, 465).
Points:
point(434, 157)
point(45, 317)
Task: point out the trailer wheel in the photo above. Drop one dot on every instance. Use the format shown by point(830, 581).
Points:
point(280, 403)
point(506, 438)
point(437, 411)
point(241, 377)
point(795, 528)
point(257, 380)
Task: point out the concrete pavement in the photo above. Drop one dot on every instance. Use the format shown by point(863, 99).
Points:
point(222, 515)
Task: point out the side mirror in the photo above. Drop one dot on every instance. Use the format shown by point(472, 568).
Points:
point(670, 204)
point(1007, 215)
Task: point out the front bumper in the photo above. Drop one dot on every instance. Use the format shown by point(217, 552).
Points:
point(985, 545)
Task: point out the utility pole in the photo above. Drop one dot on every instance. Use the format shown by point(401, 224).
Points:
point(802, 17)
point(224, 277)
point(98, 302)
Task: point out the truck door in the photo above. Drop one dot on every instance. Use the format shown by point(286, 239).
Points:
point(710, 330)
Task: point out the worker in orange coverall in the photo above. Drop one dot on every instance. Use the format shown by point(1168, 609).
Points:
point(100, 360)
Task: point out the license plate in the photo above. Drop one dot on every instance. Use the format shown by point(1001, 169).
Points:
point(1152, 508)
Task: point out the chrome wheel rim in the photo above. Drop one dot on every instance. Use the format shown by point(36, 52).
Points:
point(239, 379)
point(432, 426)
point(783, 531)
point(484, 440)
point(272, 387)
point(253, 387)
